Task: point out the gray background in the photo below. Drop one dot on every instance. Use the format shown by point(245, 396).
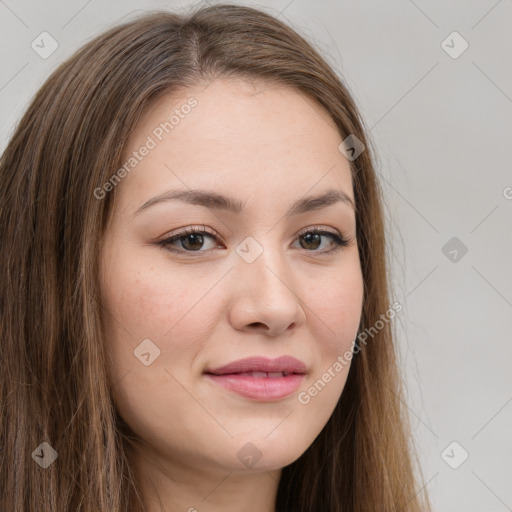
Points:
point(441, 126)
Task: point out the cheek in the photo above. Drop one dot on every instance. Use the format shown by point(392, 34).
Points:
point(169, 308)
point(165, 309)
point(335, 307)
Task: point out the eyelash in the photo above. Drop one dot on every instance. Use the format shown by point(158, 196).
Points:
point(338, 239)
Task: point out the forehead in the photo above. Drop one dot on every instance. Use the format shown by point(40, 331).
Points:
point(247, 137)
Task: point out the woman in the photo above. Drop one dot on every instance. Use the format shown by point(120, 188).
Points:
point(195, 305)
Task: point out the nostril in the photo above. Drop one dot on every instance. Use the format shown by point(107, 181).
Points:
point(256, 324)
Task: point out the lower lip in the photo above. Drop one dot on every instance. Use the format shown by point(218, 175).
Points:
point(262, 389)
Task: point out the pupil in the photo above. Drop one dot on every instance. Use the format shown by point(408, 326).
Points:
point(308, 238)
point(194, 237)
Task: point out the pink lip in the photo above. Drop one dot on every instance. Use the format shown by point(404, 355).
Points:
point(236, 377)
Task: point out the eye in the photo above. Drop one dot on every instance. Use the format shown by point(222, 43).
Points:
point(192, 239)
point(312, 238)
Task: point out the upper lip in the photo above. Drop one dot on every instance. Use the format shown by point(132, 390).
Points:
point(286, 364)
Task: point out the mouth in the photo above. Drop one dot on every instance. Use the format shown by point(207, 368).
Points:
point(259, 378)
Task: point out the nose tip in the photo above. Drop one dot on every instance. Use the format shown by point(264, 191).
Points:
point(265, 301)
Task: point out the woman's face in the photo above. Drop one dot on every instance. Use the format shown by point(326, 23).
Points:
point(255, 282)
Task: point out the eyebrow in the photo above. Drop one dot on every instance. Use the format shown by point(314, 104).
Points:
point(213, 200)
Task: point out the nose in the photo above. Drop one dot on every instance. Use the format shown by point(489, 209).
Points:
point(265, 297)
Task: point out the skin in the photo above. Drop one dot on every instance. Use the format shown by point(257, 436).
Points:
point(266, 146)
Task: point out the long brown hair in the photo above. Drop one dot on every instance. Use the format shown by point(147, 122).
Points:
point(54, 383)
